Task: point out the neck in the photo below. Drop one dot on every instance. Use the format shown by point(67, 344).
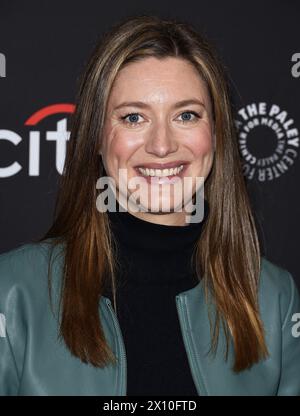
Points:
point(132, 230)
point(176, 218)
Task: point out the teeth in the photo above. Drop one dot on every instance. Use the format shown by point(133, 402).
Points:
point(161, 172)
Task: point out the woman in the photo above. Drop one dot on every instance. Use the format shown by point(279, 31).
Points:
point(149, 301)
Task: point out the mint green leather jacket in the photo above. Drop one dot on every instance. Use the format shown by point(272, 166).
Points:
point(34, 362)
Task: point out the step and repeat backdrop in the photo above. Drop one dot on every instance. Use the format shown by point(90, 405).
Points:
point(43, 49)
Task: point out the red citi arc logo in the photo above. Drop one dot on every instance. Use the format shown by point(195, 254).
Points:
point(49, 111)
point(60, 136)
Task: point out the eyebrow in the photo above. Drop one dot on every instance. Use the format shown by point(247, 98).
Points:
point(141, 104)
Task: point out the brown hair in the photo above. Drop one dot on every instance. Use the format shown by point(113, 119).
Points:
point(228, 252)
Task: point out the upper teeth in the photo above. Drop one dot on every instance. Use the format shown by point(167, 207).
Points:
point(161, 172)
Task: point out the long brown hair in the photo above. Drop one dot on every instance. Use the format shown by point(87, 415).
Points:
point(228, 252)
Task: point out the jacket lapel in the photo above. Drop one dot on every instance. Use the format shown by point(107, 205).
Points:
point(213, 374)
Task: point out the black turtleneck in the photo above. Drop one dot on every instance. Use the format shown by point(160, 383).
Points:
point(155, 265)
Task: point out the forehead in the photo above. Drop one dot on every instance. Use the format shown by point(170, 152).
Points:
point(158, 80)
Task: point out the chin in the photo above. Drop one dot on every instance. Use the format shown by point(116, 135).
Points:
point(160, 205)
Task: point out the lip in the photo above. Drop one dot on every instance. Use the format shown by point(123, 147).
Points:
point(163, 165)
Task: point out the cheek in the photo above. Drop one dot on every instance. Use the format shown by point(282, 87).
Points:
point(201, 144)
point(119, 148)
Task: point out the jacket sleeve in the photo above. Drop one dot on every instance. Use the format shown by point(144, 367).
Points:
point(290, 370)
point(9, 380)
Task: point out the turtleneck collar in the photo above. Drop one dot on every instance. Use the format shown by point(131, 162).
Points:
point(152, 255)
point(138, 234)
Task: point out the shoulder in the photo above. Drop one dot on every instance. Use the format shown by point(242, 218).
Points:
point(278, 291)
point(274, 277)
point(26, 266)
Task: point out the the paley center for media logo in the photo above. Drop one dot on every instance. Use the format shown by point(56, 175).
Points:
point(268, 140)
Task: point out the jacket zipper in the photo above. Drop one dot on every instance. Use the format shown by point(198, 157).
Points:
point(181, 308)
point(123, 359)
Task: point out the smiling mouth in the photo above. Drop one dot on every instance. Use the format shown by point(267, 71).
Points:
point(161, 176)
point(161, 172)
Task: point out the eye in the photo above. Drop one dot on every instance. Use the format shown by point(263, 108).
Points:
point(133, 117)
point(187, 119)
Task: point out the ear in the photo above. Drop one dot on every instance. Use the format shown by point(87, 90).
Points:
point(214, 141)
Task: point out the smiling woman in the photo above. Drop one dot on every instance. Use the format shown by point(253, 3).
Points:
point(138, 302)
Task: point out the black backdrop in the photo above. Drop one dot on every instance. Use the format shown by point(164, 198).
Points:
point(44, 46)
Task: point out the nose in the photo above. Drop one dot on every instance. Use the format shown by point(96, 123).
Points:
point(161, 141)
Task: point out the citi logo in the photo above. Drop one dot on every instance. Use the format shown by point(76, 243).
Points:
point(60, 136)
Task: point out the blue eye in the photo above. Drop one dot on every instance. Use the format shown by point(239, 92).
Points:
point(133, 116)
point(186, 120)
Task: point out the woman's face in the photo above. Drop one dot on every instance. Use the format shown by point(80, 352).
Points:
point(148, 127)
